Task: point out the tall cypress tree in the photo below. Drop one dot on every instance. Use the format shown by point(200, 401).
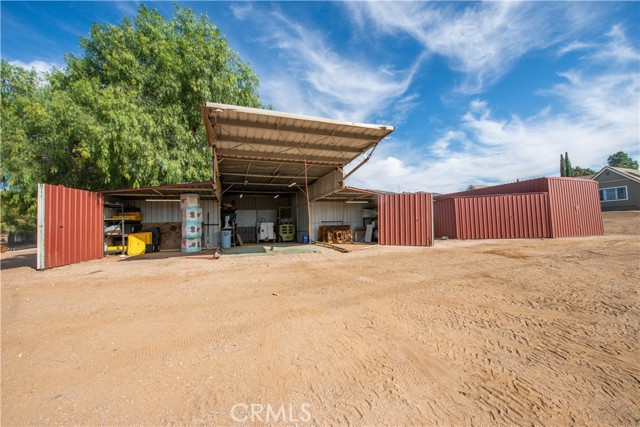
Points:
point(567, 164)
point(562, 168)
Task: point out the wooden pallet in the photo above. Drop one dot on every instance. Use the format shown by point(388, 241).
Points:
point(335, 234)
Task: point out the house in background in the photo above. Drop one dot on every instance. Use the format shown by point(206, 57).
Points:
point(476, 187)
point(619, 188)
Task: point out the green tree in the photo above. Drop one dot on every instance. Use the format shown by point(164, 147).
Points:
point(563, 170)
point(622, 160)
point(578, 171)
point(22, 94)
point(124, 113)
point(567, 165)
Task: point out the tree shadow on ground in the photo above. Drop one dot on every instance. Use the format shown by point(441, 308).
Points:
point(17, 259)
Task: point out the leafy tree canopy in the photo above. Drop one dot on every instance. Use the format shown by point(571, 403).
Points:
point(124, 113)
point(622, 160)
point(578, 171)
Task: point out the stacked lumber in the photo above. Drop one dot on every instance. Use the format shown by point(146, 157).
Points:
point(335, 234)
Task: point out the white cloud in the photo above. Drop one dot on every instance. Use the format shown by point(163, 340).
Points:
point(601, 116)
point(241, 10)
point(317, 80)
point(41, 67)
point(574, 46)
point(482, 41)
point(128, 7)
point(617, 48)
point(440, 147)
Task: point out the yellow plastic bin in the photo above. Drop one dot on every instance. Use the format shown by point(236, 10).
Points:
point(138, 242)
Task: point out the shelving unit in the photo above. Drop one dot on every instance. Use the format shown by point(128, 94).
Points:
point(119, 235)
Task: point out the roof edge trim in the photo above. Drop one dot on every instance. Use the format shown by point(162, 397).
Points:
point(273, 113)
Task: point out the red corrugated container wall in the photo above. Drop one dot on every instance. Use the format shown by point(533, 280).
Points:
point(507, 216)
point(538, 185)
point(574, 206)
point(73, 225)
point(444, 219)
point(405, 219)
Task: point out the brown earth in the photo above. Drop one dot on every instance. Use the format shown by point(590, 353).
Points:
point(509, 332)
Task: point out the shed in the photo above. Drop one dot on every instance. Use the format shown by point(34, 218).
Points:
point(543, 207)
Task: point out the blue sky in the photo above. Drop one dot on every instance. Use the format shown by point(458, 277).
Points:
point(478, 92)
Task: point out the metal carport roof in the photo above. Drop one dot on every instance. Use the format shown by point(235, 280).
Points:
point(270, 152)
point(267, 151)
point(170, 191)
point(351, 194)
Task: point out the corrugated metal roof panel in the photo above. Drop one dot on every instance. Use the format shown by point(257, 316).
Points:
point(264, 133)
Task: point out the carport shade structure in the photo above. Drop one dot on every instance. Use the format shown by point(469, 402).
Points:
point(256, 151)
point(269, 152)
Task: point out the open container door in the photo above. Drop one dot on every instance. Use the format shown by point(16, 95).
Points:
point(70, 228)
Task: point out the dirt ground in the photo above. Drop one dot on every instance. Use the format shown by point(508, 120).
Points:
point(509, 332)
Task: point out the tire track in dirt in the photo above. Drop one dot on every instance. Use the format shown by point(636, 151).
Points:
point(550, 349)
point(493, 356)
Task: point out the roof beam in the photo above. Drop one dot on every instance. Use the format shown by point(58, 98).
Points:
point(239, 184)
point(292, 145)
point(208, 194)
point(278, 157)
point(260, 193)
point(268, 176)
point(293, 129)
point(263, 163)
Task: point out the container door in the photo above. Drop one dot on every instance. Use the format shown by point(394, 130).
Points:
point(70, 228)
point(405, 219)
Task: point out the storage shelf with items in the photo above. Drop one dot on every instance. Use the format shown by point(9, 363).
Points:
point(119, 222)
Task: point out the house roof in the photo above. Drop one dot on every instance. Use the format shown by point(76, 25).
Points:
point(476, 187)
point(587, 177)
point(264, 150)
point(632, 174)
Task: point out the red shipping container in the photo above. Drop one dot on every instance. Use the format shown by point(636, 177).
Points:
point(405, 219)
point(549, 207)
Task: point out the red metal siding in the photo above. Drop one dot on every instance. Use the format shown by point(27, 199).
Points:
point(73, 225)
point(444, 219)
point(405, 219)
point(502, 217)
point(538, 185)
point(574, 208)
point(571, 209)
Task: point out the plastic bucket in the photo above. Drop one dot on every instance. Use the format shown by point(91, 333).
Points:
point(226, 238)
